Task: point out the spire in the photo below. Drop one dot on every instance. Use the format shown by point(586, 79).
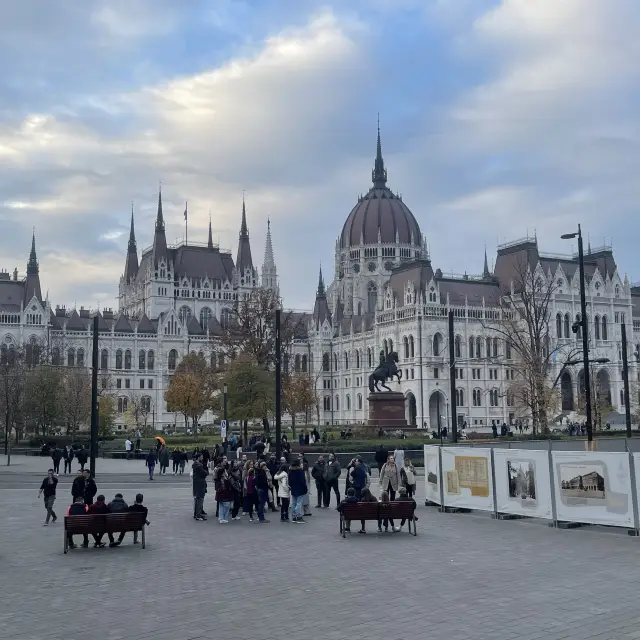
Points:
point(159, 237)
point(160, 218)
point(486, 273)
point(243, 227)
point(321, 310)
point(379, 173)
point(321, 291)
point(244, 260)
point(132, 234)
point(210, 241)
point(32, 285)
point(32, 265)
point(131, 262)
point(269, 275)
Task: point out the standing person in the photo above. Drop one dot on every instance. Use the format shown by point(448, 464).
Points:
point(408, 477)
point(398, 456)
point(299, 489)
point(381, 457)
point(331, 478)
point(199, 489)
point(127, 447)
point(77, 508)
point(224, 494)
point(82, 457)
point(90, 488)
point(184, 456)
point(306, 509)
point(390, 477)
point(273, 467)
point(56, 456)
point(150, 462)
point(250, 491)
point(98, 507)
point(138, 439)
point(284, 493)
point(48, 487)
point(235, 482)
point(163, 458)
point(359, 477)
point(67, 454)
point(175, 460)
point(262, 487)
point(317, 473)
point(77, 487)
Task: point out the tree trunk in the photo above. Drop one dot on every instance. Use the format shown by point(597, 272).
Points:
point(245, 428)
point(293, 426)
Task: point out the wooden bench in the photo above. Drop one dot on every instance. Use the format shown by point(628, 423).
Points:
point(104, 523)
point(378, 511)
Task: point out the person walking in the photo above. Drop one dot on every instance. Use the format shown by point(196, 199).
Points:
point(331, 478)
point(67, 454)
point(390, 477)
point(199, 488)
point(284, 493)
point(175, 460)
point(408, 477)
point(299, 489)
point(48, 487)
point(56, 456)
point(164, 459)
point(318, 473)
point(150, 462)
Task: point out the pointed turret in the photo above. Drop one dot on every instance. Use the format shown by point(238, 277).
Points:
point(321, 310)
point(159, 237)
point(131, 263)
point(244, 260)
point(269, 274)
point(379, 173)
point(32, 287)
point(210, 240)
point(485, 272)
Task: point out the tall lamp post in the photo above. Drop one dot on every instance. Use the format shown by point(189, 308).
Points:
point(224, 411)
point(585, 332)
point(278, 354)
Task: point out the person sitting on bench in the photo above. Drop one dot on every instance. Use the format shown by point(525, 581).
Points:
point(403, 496)
point(137, 507)
point(349, 498)
point(78, 508)
point(366, 496)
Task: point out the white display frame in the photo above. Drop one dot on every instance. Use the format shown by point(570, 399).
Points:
point(458, 491)
point(432, 458)
point(609, 499)
point(539, 507)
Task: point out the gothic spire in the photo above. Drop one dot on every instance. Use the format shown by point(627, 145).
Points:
point(160, 218)
point(32, 265)
point(32, 286)
point(159, 238)
point(244, 260)
point(243, 226)
point(269, 274)
point(321, 311)
point(210, 241)
point(486, 273)
point(321, 291)
point(132, 234)
point(131, 262)
point(379, 173)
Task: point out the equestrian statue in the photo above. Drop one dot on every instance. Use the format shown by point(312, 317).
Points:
point(386, 370)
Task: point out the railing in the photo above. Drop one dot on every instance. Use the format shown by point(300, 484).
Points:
point(515, 243)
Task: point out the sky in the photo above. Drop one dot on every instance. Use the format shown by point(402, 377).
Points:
point(499, 118)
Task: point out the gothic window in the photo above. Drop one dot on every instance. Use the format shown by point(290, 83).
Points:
point(567, 328)
point(104, 359)
point(372, 297)
point(385, 347)
point(119, 359)
point(146, 404)
point(511, 400)
point(471, 347)
point(437, 344)
point(127, 359)
point(337, 403)
point(495, 347)
point(357, 359)
point(348, 402)
point(596, 327)
point(359, 401)
point(346, 360)
point(388, 300)
point(411, 347)
point(142, 360)
point(405, 344)
point(296, 363)
point(478, 347)
point(325, 362)
point(604, 327)
point(326, 403)
point(493, 397)
point(225, 318)
point(304, 363)
point(617, 291)
point(559, 325)
point(460, 397)
point(184, 314)
point(205, 315)
point(433, 296)
point(55, 356)
point(173, 356)
point(80, 358)
point(151, 356)
point(488, 341)
point(477, 398)
point(507, 350)
point(71, 357)
point(579, 332)
point(458, 347)
point(335, 361)
point(369, 358)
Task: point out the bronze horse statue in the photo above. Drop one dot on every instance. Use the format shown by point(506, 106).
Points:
point(387, 370)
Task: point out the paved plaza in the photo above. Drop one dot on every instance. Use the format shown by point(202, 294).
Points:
point(464, 577)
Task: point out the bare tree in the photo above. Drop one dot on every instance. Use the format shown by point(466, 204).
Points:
point(12, 390)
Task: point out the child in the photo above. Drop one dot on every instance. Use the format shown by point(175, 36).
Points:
point(284, 493)
point(349, 498)
point(384, 498)
point(366, 496)
point(250, 493)
point(78, 508)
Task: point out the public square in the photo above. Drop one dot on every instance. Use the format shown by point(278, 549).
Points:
point(465, 576)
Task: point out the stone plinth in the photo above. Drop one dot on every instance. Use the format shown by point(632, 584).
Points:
point(387, 410)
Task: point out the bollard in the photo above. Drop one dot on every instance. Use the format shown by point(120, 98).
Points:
point(9, 455)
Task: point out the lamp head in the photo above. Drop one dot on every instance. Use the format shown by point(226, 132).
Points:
point(568, 236)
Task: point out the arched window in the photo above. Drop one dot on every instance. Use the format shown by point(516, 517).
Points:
point(412, 352)
point(80, 358)
point(71, 357)
point(151, 360)
point(358, 359)
point(458, 347)
point(477, 398)
point(348, 401)
point(460, 397)
point(225, 318)
point(511, 399)
point(184, 314)
point(359, 308)
point(437, 344)
point(146, 404)
point(507, 349)
point(495, 347)
point(617, 291)
point(122, 405)
point(405, 344)
point(567, 327)
point(325, 362)
point(337, 403)
point(579, 324)
point(359, 397)
point(369, 357)
point(142, 360)
point(596, 327)
point(173, 356)
point(55, 356)
point(326, 403)
point(604, 328)
point(372, 297)
point(346, 360)
point(559, 325)
point(478, 347)
point(296, 363)
point(472, 349)
point(488, 343)
point(104, 359)
point(205, 316)
point(335, 361)
point(127, 359)
point(119, 359)
point(493, 397)
point(305, 365)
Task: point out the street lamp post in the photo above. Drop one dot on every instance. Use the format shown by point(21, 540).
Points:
point(224, 410)
point(625, 378)
point(278, 403)
point(585, 333)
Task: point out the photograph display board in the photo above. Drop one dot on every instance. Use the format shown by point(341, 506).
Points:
point(594, 487)
point(432, 473)
point(523, 485)
point(466, 476)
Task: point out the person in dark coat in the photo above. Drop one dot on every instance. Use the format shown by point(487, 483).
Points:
point(150, 462)
point(82, 457)
point(117, 505)
point(358, 477)
point(381, 457)
point(56, 456)
point(317, 473)
point(77, 488)
point(299, 489)
point(403, 496)
point(331, 477)
point(200, 474)
point(67, 454)
point(78, 508)
point(90, 488)
point(98, 507)
point(273, 466)
point(350, 497)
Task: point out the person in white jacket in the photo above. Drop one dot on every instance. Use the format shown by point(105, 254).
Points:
point(284, 492)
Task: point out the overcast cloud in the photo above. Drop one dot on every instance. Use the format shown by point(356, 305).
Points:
point(498, 119)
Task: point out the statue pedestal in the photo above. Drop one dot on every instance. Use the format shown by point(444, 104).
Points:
point(387, 410)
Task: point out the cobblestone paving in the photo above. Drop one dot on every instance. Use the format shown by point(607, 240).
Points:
point(464, 577)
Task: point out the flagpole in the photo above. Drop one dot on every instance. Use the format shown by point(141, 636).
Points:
point(185, 224)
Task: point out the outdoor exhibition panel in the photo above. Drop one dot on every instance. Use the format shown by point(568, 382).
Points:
point(523, 484)
point(466, 478)
point(432, 473)
point(594, 487)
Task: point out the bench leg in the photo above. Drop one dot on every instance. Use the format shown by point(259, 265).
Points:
point(144, 542)
point(66, 542)
point(415, 530)
point(342, 527)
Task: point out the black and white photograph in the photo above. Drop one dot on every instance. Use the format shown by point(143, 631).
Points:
point(521, 476)
point(432, 470)
point(582, 481)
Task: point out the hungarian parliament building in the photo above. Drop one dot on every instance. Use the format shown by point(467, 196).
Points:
point(385, 296)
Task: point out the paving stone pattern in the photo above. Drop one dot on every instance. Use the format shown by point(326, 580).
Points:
point(465, 577)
